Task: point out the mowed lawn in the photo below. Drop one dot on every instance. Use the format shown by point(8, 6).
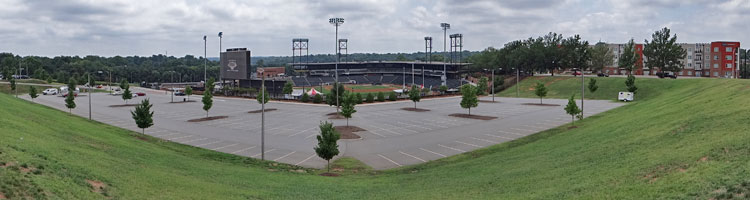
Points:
point(561, 87)
point(684, 139)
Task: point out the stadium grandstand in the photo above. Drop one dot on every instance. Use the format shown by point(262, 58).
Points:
point(379, 73)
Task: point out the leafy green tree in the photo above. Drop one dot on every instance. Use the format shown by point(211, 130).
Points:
point(327, 147)
point(392, 96)
point(414, 95)
point(572, 108)
point(577, 53)
point(92, 82)
point(13, 85)
point(341, 94)
point(541, 91)
point(317, 98)
point(49, 80)
point(359, 98)
point(482, 86)
point(126, 94)
point(288, 88)
point(601, 57)
point(663, 52)
point(207, 100)
point(630, 83)
point(347, 107)
point(469, 97)
point(592, 85)
point(331, 99)
point(260, 98)
point(370, 98)
point(628, 58)
point(70, 98)
point(305, 97)
point(143, 115)
point(32, 93)
point(188, 91)
point(443, 89)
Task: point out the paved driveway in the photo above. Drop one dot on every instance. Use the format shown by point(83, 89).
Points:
point(394, 137)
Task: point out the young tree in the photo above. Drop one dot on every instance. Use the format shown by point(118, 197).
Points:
point(414, 95)
point(305, 98)
point(630, 83)
point(288, 88)
point(628, 58)
point(601, 57)
point(207, 100)
point(370, 98)
point(260, 98)
point(327, 147)
point(143, 115)
point(482, 86)
point(347, 107)
point(359, 98)
point(32, 93)
point(331, 99)
point(663, 52)
point(317, 98)
point(70, 98)
point(592, 85)
point(469, 97)
point(126, 94)
point(188, 92)
point(572, 108)
point(13, 85)
point(392, 96)
point(341, 94)
point(381, 97)
point(541, 91)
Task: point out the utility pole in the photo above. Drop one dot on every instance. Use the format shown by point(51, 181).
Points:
point(90, 87)
point(493, 85)
point(445, 27)
point(337, 22)
point(205, 62)
point(583, 91)
point(517, 90)
point(262, 115)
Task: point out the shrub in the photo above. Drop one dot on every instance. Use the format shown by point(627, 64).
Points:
point(370, 98)
point(381, 97)
point(317, 98)
point(392, 96)
point(305, 98)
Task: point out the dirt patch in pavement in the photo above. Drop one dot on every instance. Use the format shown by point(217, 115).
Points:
point(330, 174)
point(207, 119)
point(415, 109)
point(335, 115)
point(480, 117)
point(122, 105)
point(96, 186)
point(259, 111)
point(348, 132)
point(539, 104)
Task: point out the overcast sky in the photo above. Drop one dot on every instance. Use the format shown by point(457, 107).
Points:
point(266, 27)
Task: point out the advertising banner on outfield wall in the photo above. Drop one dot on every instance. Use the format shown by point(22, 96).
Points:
point(235, 65)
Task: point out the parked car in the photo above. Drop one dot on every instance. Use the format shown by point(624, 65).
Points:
point(602, 75)
point(116, 93)
point(180, 93)
point(576, 73)
point(64, 91)
point(140, 94)
point(50, 91)
point(665, 75)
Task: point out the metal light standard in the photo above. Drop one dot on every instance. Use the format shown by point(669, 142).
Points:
point(205, 61)
point(262, 114)
point(493, 84)
point(89, 90)
point(517, 90)
point(445, 27)
point(337, 22)
point(221, 35)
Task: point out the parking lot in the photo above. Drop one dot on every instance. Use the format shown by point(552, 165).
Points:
point(394, 137)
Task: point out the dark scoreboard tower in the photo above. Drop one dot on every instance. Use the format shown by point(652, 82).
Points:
point(235, 65)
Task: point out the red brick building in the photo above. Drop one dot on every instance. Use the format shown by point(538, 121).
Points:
point(716, 59)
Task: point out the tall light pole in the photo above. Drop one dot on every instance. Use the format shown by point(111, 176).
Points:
point(90, 87)
point(205, 62)
point(221, 35)
point(337, 22)
point(445, 27)
point(517, 90)
point(583, 91)
point(493, 85)
point(262, 114)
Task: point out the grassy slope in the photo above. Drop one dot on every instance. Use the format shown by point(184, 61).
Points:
point(562, 87)
point(652, 148)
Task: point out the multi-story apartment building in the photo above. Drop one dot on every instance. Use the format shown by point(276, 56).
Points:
point(716, 59)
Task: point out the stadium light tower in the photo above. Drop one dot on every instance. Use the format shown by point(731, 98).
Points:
point(337, 22)
point(445, 27)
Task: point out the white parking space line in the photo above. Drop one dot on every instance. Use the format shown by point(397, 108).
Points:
point(256, 155)
point(459, 150)
point(484, 140)
point(309, 136)
point(512, 133)
point(373, 132)
point(168, 134)
point(394, 162)
point(194, 140)
point(284, 156)
point(436, 153)
point(187, 136)
point(308, 158)
point(406, 154)
point(214, 142)
point(474, 145)
point(292, 135)
point(241, 150)
point(497, 136)
point(224, 146)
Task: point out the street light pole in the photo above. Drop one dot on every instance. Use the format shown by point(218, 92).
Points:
point(445, 27)
point(517, 90)
point(262, 115)
point(583, 91)
point(205, 62)
point(221, 35)
point(337, 22)
point(89, 79)
point(493, 85)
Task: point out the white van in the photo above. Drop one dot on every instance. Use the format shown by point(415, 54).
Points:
point(64, 91)
point(50, 91)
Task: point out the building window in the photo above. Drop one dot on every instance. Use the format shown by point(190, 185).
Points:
point(729, 49)
point(716, 73)
point(716, 49)
point(690, 65)
point(716, 57)
point(689, 57)
point(690, 73)
point(729, 57)
point(680, 73)
point(727, 74)
point(729, 65)
point(716, 65)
